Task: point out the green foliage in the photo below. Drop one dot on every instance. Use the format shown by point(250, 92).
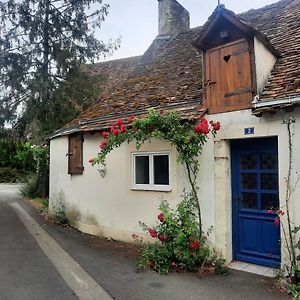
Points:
point(294, 290)
point(37, 184)
point(171, 127)
point(42, 44)
point(178, 245)
point(9, 175)
point(16, 155)
point(59, 210)
point(28, 189)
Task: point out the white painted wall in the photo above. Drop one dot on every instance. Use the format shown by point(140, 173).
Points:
point(108, 207)
point(264, 63)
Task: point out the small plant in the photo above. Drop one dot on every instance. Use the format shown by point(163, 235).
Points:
point(59, 211)
point(294, 290)
point(178, 246)
point(28, 189)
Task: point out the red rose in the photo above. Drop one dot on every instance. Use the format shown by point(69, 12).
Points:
point(116, 131)
point(194, 244)
point(203, 127)
point(151, 264)
point(162, 237)
point(270, 211)
point(217, 126)
point(280, 212)
point(161, 217)
point(276, 221)
point(104, 144)
point(105, 134)
point(123, 128)
point(119, 122)
point(152, 232)
point(130, 119)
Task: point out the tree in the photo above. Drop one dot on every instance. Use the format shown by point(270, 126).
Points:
point(42, 43)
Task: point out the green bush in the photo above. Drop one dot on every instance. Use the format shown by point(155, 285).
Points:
point(177, 242)
point(29, 187)
point(10, 175)
point(37, 185)
point(294, 290)
point(16, 155)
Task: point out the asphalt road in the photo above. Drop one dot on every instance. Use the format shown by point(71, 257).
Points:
point(25, 271)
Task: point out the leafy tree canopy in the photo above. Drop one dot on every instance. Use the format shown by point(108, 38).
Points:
point(42, 44)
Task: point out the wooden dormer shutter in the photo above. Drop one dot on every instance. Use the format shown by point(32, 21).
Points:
point(75, 154)
point(228, 77)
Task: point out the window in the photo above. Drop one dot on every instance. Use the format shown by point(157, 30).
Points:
point(151, 171)
point(75, 161)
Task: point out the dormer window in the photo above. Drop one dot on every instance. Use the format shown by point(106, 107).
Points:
point(237, 62)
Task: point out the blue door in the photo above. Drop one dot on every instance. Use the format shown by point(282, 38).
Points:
point(256, 237)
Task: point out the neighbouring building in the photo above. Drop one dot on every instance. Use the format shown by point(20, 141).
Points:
point(242, 70)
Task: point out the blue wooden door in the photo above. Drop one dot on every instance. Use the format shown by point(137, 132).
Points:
point(256, 238)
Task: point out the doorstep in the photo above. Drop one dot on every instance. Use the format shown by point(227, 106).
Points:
point(251, 268)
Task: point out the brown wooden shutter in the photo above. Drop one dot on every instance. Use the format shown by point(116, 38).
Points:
point(75, 154)
point(228, 81)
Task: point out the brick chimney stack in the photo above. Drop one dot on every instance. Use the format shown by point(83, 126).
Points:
point(173, 18)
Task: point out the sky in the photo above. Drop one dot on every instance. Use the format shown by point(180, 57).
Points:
point(136, 21)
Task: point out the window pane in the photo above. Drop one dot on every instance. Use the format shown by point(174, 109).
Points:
point(249, 181)
point(249, 200)
point(248, 162)
point(161, 169)
point(269, 181)
point(270, 201)
point(142, 169)
point(269, 161)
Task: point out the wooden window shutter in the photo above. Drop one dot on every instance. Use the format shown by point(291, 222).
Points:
point(75, 154)
point(228, 77)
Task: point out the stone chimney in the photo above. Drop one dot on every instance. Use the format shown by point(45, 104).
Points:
point(173, 18)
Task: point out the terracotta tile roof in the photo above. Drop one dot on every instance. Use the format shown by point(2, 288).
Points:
point(280, 22)
point(172, 80)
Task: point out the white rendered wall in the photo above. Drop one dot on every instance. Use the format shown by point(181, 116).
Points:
point(264, 63)
point(108, 206)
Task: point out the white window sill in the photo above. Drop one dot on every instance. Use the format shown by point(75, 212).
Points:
point(152, 188)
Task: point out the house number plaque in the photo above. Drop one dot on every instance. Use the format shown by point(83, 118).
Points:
point(249, 130)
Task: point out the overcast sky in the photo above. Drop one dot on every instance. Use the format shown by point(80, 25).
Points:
point(136, 21)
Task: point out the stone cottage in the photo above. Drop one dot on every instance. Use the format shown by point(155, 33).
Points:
point(242, 70)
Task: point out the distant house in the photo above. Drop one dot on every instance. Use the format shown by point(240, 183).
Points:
point(243, 70)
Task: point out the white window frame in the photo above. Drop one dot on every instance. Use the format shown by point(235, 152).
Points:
point(151, 186)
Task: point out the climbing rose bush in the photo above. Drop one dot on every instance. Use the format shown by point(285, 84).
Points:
point(178, 236)
point(188, 138)
point(177, 245)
